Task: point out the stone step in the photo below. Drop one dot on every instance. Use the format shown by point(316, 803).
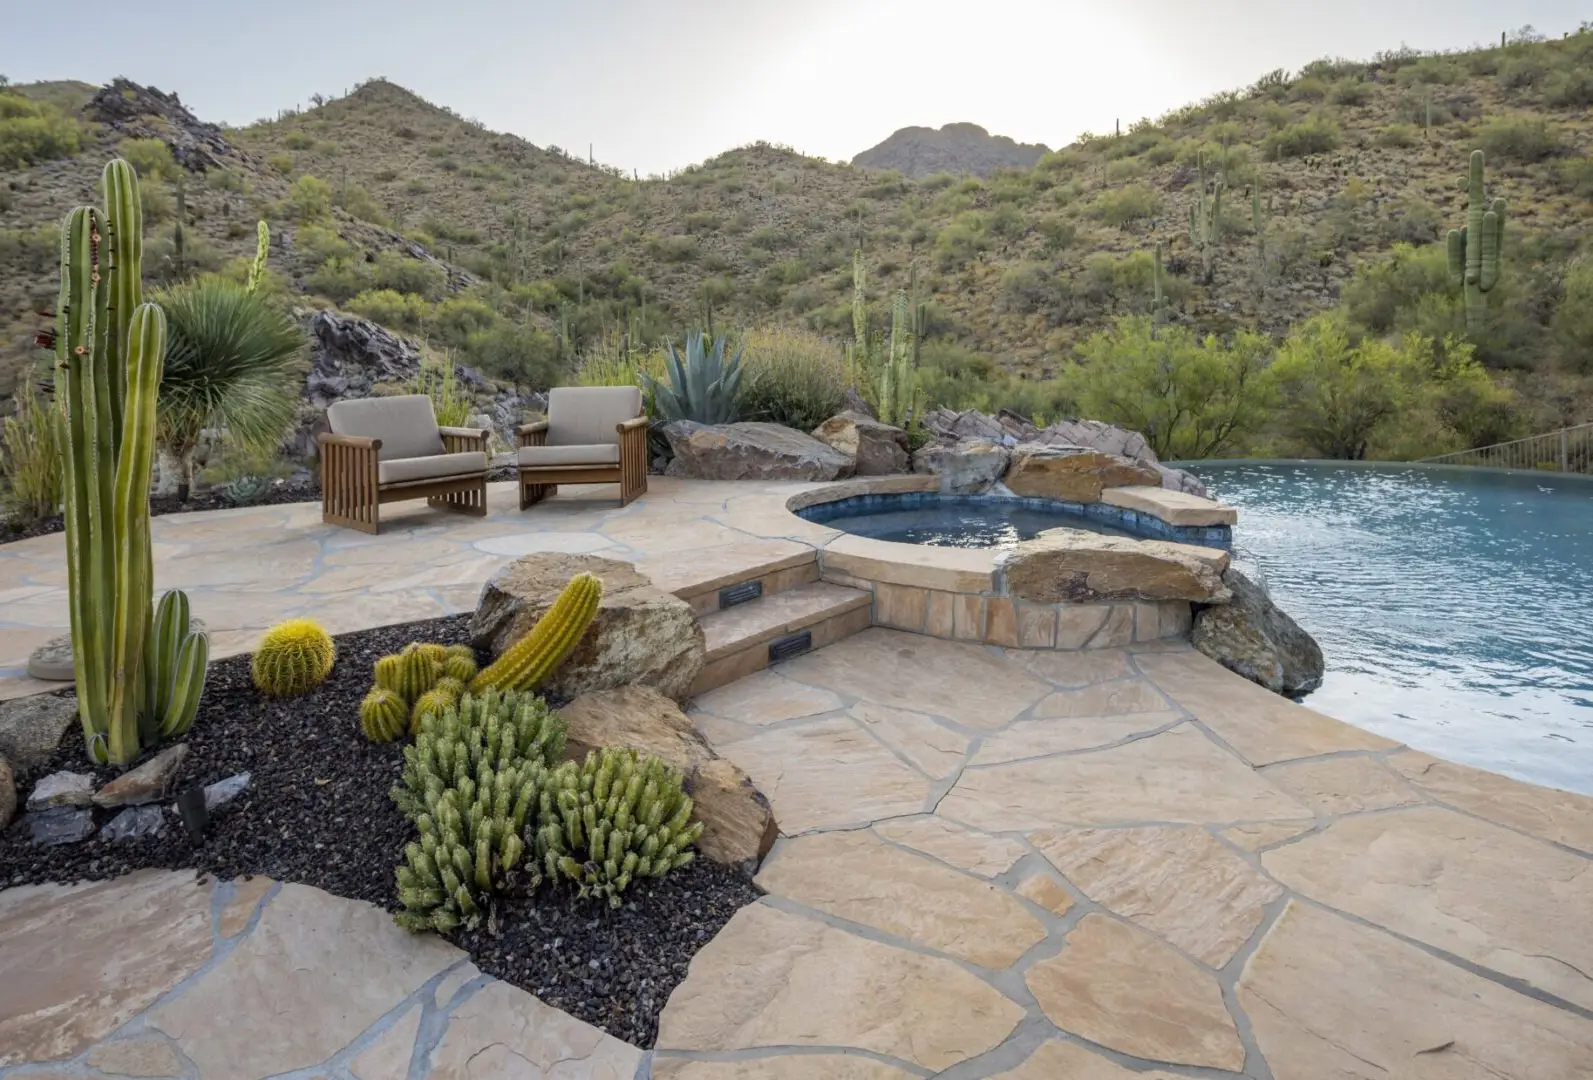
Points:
point(729, 583)
point(739, 638)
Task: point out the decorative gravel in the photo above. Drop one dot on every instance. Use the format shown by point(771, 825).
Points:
point(318, 812)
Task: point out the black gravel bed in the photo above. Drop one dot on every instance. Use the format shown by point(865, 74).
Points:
point(317, 812)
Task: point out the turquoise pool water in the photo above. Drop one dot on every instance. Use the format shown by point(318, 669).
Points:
point(1455, 607)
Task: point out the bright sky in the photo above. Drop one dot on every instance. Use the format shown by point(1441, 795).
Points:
point(655, 84)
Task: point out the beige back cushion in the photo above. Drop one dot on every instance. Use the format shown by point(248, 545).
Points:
point(405, 424)
point(588, 415)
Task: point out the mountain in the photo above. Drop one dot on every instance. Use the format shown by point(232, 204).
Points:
point(518, 256)
point(959, 149)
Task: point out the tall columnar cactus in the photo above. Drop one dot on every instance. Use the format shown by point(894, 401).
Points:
point(535, 656)
point(262, 248)
point(1205, 218)
point(1476, 249)
point(110, 352)
point(898, 387)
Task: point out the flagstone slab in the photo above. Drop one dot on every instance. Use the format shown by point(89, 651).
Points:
point(1344, 785)
point(967, 684)
point(1547, 813)
point(1058, 1060)
point(388, 1058)
point(1107, 699)
point(1499, 899)
point(283, 1011)
point(1120, 987)
point(145, 1056)
point(1260, 725)
point(1177, 776)
point(767, 697)
point(976, 852)
point(79, 961)
point(502, 1031)
point(1332, 1000)
point(1176, 881)
point(1038, 738)
point(827, 774)
point(773, 979)
point(935, 750)
point(860, 878)
point(1069, 668)
point(1261, 834)
point(788, 1067)
point(1047, 893)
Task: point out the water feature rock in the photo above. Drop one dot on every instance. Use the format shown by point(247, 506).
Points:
point(223, 792)
point(738, 826)
point(62, 789)
point(1073, 474)
point(877, 449)
point(136, 823)
point(148, 783)
point(8, 793)
point(1074, 566)
point(59, 825)
point(31, 727)
point(751, 451)
point(641, 636)
point(1253, 637)
point(970, 467)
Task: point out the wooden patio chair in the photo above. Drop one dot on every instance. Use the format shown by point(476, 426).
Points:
point(389, 449)
point(593, 435)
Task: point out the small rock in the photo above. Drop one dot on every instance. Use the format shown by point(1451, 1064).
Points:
point(225, 791)
point(59, 825)
point(31, 728)
point(62, 789)
point(148, 783)
point(52, 661)
point(8, 793)
point(135, 823)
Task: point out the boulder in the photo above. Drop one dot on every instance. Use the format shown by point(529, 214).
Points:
point(148, 783)
point(1100, 436)
point(1076, 566)
point(751, 451)
point(876, 449)
point(31, 728)
point(1253, 637)
point(1073, 474)
point(8, 793)
point(641, 636)
point(970, 467)
point(738, 826)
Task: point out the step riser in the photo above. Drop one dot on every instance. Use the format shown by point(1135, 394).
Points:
point(706, 602)
point(827, 630)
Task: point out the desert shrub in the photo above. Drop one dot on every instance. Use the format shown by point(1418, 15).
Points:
point(30, 460)
point(457, 317)
point(1190, 397)
point(672, 249)
point(792, 377)
point(1308, 88)
point(1522, 72)
point(282, 163)
point(1349, 92)
point(520, 353)
point(1058, 232)
point(1316, 134)
point(957, 377)
point(1007, 220)
point(1125, 169)
point(1576, 176)
point(1398, 136)
point(395, 310)
point(1569, 89)
point(1573, 319)
point(1522, 139)
point(319, 244)
point(1136, 202)
point(31, 250)
point(961, 241)
point(150, 158)
point(363, 205)
point(1429, 69)
point(31, 132)
point(310, 199)
point(394, 270)
point(338, 279)
point(1412, 220)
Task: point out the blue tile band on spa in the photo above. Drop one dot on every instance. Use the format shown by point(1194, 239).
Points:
point(994, 521)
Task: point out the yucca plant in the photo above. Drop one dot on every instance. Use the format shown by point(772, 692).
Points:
point(439, 381)
point(231, 363)
point(703, 386)
point(30, 457)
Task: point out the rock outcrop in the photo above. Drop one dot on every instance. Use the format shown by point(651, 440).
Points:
point(969, 467)
point(642, 636)
point(1070, 474)
point(876, 449)
point(1075, 566)
point(955, 148)
point(1253, 637)
point(738, 826)
point(751, 451)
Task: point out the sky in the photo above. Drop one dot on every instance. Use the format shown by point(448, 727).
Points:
point(656, 85)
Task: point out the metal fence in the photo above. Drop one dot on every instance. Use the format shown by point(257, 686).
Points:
point(1569, 450)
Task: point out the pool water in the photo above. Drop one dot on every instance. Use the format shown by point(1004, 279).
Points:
point(973, 521)
point(1455, 607)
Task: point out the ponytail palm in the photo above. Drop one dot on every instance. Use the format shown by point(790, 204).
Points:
point(232, 362)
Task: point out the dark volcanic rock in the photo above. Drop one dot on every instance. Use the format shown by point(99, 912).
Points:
point(1253, 637)
point(918, 152)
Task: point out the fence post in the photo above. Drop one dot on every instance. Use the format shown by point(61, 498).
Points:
point(1565, 463)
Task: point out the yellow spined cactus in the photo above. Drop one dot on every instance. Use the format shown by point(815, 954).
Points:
point(383, 715)
point(294, 658)
point(459, 667)
point(454, 688)
point(539, 653)
point(433, 702)
point(388, 672)
point(429, 650)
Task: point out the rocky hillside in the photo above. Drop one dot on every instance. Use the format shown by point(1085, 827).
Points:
point(959, 149)
point(519, 256)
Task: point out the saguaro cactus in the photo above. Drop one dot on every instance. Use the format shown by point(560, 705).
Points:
point(1475, 250)
point(1205, 218)
point(110, 349)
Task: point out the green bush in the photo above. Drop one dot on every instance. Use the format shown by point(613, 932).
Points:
point(338, 279)
point(30, 461)
point(1570, 89)
point(1316, 134)
point(310, 199)
point(1058, 232)
point(1429, 69)
point(1523, 139)
point(31, 251)
point(31, 132)
point(792, 377)
point(1118, 207)
point(1573, 319)
point(1522, 72)
point(1398, 136)
point(960, 242)
point(522, 354)
point(150, 158)
point(1349, 92)
point(1308, 88)
point(401, 273)
point(1576, 176)
point(363, 205)
point(395, 310)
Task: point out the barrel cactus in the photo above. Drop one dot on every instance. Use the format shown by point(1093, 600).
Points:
point(294, 658)
point(538, 654)
point(384, 716)
point(1475, 250)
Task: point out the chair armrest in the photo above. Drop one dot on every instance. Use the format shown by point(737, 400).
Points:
point(462, 439)
point(358, 442)
point(462, 432)
point(533, 434)
point(532, 428)
point(633, 423)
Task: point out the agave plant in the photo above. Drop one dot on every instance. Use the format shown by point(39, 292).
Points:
point(703, 386)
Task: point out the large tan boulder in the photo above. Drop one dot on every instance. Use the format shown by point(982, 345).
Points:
point(1070, 474)
point(751, 451)
point(1076, 566)
point(738, 826)
point(1253, 637)
point(878, 449)
point(969, 467)
point(641, 636)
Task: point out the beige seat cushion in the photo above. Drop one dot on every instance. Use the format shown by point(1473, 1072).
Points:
point(434, 467)
point(569, 457)
point(405, 424)
point(588, 415)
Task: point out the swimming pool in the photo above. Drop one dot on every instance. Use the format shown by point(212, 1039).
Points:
point(1455, 607)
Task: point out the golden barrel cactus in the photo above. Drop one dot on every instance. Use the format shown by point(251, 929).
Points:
point(294, 658)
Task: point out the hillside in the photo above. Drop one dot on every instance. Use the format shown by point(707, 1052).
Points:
point(1325, 171)
point(959, 149)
